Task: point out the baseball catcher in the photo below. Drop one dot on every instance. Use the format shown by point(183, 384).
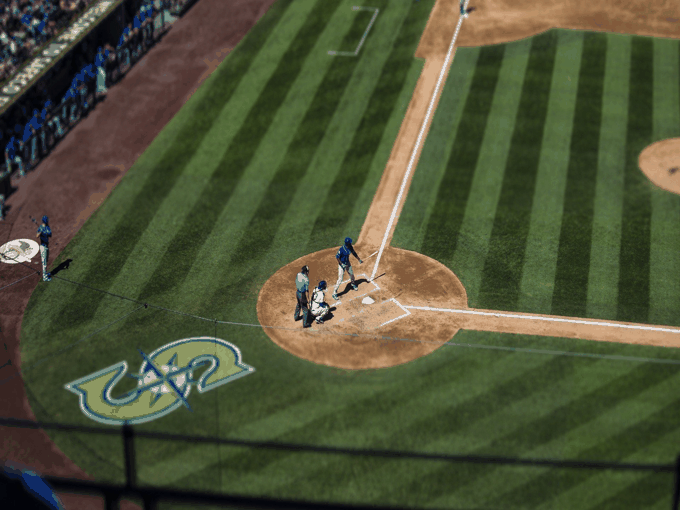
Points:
point(319, 307)
point(343, 265)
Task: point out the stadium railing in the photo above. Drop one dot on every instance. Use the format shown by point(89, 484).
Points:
point(152, 496)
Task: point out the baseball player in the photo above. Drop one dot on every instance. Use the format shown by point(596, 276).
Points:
point(343, 264)
point(302, 287)
point(319, 307)
point(463, 12)
point(44, 233)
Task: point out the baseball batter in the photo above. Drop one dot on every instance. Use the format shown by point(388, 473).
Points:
point(44, 233)
point(302, 286)
point(319, 307)
point(343, 265)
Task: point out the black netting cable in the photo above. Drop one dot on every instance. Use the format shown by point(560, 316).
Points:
point(67, 347)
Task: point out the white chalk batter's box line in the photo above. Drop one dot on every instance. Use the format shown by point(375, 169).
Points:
point(407, 313)
point(548, 319)
point(404, 308)
point(363, 38)
point(360, 295)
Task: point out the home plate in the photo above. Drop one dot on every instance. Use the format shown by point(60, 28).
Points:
point(368, 301)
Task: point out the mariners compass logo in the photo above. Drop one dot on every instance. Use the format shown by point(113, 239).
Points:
point(18, 250)
point(164, 381)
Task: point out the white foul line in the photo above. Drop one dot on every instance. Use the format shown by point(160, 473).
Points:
point(418, 141)
point(363, 38)
point(548, 319)
point(397, 318)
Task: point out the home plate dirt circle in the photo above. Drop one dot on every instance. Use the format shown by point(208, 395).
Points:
point(355, 336)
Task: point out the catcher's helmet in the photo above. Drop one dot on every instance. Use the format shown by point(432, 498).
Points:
point(45, 220)
point(305, 269)
point(322, 284)
point(348, 241)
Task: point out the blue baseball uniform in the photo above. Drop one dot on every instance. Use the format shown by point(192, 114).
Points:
point(344, 265)
point(44, 232)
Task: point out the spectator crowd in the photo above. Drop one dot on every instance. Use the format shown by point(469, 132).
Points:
point(30, 131)
point(26, 25)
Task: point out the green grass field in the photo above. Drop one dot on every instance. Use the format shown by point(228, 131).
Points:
point(527, 188)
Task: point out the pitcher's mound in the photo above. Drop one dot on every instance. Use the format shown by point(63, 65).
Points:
point(372, 327)
point(660, 162)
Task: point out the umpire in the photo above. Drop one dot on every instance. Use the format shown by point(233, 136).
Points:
point(302, 286)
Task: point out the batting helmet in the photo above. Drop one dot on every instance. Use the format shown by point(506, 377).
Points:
point(348, 241)
point(305, 269)
point(45, 220)
point(322, 284)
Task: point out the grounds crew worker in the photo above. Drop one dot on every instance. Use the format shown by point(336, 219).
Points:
point(302, 286)
point(319, 308)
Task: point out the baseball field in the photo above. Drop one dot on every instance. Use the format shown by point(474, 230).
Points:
point(527, 188)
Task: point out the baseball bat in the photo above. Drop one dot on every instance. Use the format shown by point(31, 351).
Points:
point(33, 219)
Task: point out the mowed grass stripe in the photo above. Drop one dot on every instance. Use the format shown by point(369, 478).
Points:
point(303, 420)
point(290, 240)
point(396, 420)
point(472, 243)
point(538, 274)
point(597, 439)
point(422, 196)
point(620, 446)
point(338, 205)
point(550, 426)
point(357, 161)
point(573, 254)
point(664, 270)
point(633, 305)
point(503, 266)
point(607, 211)
point(443, 226)
point(641, 494)
point(464, 429)
point(178, 259)
point(663, 448)
point(82, 305)
point(386, 418)
point(263, 226)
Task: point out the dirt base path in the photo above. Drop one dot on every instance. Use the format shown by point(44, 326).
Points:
point(489, 22)
point(83, 169)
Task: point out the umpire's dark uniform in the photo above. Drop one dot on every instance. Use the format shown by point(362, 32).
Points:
point(302, 285)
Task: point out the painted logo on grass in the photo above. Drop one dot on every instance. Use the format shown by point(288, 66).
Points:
point(19, 250)
point(164, 381)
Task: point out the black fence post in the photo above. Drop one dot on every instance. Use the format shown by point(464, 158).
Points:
point(150, 503)
point(130, 464)
point(111, 501)
point(676, 484)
